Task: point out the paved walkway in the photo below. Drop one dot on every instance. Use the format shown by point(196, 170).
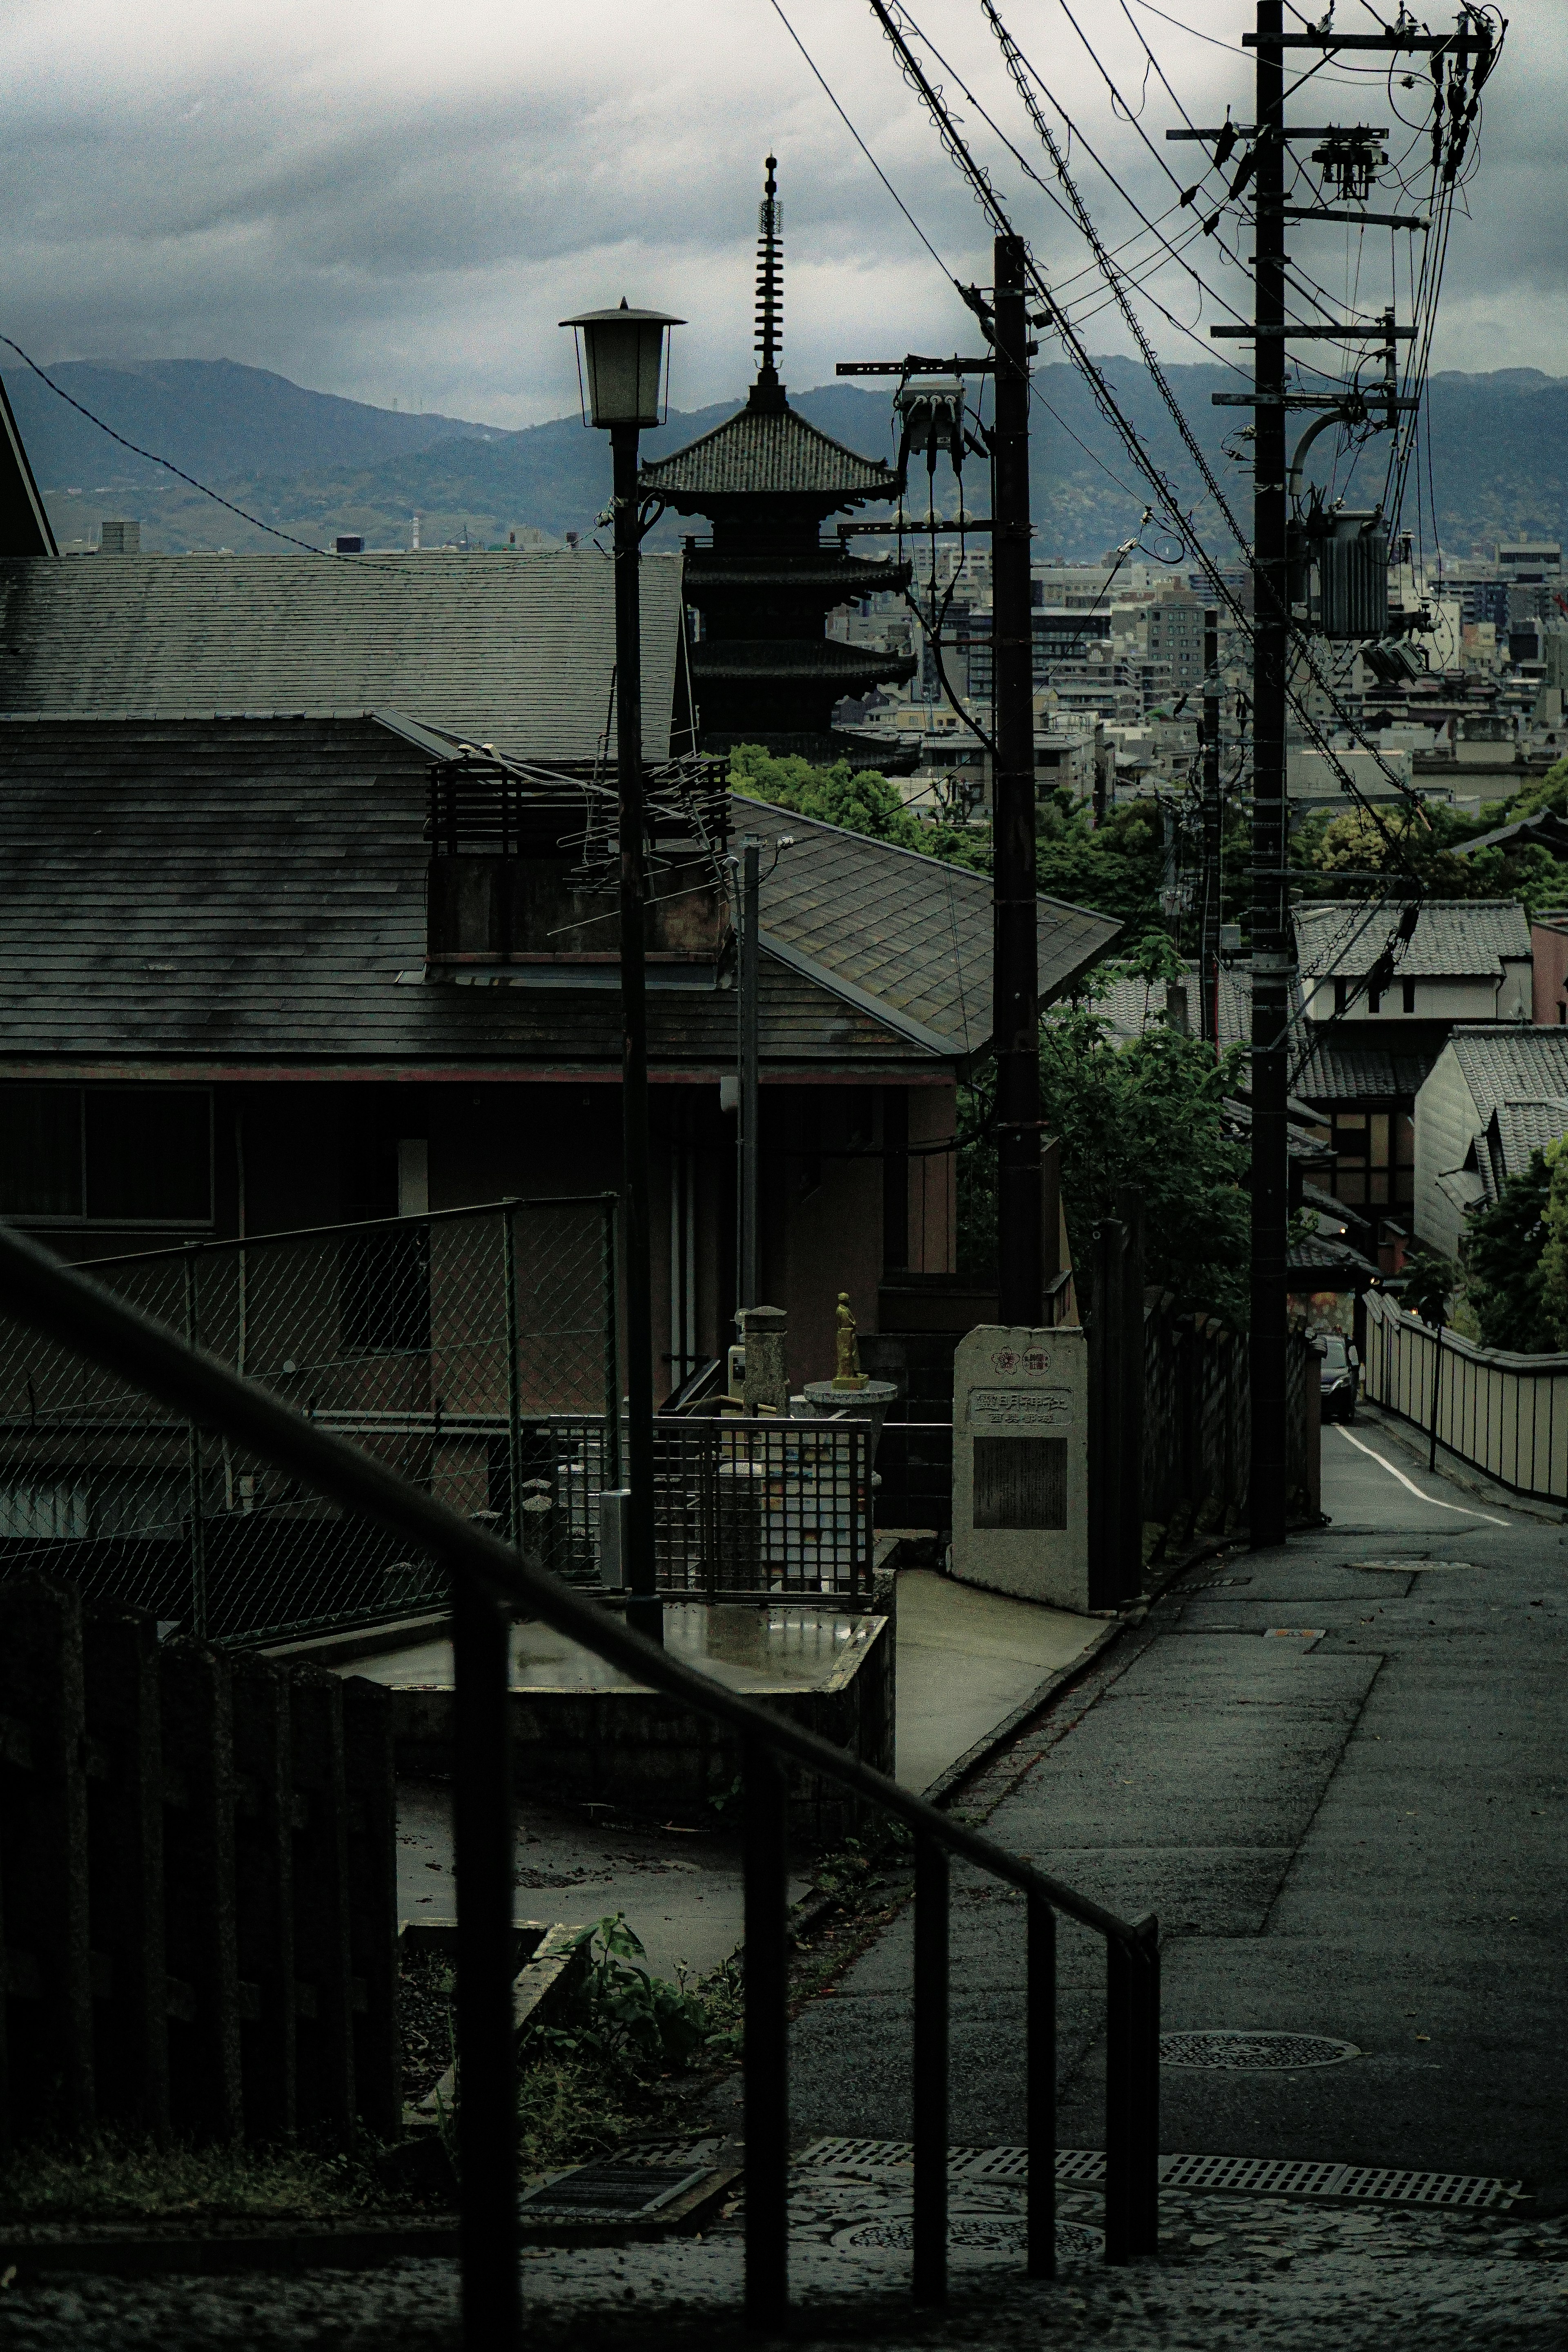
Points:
point(968, 1660)
point(1342, 1786)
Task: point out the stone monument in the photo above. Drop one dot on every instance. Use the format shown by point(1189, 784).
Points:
point(1020, 1463)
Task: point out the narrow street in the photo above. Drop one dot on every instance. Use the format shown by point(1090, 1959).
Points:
point(1341, 1789)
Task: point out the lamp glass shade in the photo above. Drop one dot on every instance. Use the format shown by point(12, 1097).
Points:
point(623, 354)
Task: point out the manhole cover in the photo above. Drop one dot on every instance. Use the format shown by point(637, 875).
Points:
point(1242, 2052)
point(991, 2233)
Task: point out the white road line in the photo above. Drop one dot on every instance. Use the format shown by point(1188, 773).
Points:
point(1435, 1501)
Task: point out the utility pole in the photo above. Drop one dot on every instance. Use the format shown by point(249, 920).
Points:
point(1352, 155)
point(749, 1254)
point(1015, 969)
point(1209, 903)
point(1271, 944)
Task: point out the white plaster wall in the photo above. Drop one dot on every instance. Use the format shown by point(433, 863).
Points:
point(1447, 1123)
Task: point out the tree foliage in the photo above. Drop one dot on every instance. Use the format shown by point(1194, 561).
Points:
point(1146, 1113)
point(1506, 1273)
point(858, 799)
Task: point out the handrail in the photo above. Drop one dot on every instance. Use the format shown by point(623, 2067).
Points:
point(491, 1582)
point(360, 1225)
point(38, 1290)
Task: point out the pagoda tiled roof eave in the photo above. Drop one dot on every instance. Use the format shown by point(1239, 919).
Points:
point(772, 453)
point(795, 658)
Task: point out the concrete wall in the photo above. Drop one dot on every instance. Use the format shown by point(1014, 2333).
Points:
point(1508, 999)
point(642, 1748)
point(1447, 1124)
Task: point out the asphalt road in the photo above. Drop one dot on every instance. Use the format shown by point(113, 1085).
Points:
point(1342, 1789)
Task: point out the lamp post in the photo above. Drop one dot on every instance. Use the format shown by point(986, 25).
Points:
point(623, 369)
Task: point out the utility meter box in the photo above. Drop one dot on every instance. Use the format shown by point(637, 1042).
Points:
point(1020, 1463)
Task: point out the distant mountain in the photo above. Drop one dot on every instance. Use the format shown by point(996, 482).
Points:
point(313, 464)
point(213, 417)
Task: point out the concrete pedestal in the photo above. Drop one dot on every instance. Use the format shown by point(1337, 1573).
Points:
point(869, 1404)
point(1020, 1463)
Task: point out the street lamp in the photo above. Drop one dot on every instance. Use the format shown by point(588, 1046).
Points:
point(621, 366)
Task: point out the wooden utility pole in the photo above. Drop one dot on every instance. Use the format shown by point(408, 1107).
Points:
point(1210, 903)
point(1271, 940)
point(1016, 967)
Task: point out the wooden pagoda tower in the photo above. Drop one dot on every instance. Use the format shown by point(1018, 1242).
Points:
point(764, 671)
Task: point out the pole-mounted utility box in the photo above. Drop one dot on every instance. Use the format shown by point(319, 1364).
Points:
point(1020, 1463)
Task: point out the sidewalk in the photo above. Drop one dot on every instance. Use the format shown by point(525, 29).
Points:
point(967, 1661)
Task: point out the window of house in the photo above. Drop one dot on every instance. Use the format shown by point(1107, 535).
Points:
point(1374, 999)
point(1374, 1166)
point(1407, 995)
point(106, 1155)
point(1342, 995)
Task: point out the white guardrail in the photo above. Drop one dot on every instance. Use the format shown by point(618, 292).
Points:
point(1505, 1414)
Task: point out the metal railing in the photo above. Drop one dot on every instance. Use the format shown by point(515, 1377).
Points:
point(491, 1584)
point(445, 1344)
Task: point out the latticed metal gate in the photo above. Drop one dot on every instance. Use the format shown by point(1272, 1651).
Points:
point(447, 1345)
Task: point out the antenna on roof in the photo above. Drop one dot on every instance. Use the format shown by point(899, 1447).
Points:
point(770, 283)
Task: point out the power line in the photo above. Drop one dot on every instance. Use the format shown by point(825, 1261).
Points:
point(154, 459)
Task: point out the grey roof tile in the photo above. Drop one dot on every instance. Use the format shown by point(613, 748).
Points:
point(1512, 1065)
point(1525, 1127)
point(516, 650)
point(771, 452)
point(1455, 939)
point(228, 892)
point(916, 929)
point(1343, 1069)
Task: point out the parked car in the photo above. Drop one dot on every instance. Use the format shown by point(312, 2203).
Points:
point(1342, 1377)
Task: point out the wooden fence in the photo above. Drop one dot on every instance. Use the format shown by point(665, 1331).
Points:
point(198, 1886)
point(1503, 1413)
point(1197, 1426)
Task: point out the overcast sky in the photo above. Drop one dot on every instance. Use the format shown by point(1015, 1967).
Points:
point(399, 202)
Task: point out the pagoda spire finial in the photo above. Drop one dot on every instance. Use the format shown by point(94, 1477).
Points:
point(770, 292)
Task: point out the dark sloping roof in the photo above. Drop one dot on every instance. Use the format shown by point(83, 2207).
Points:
point(829, 657)
point(1456, 939)
point(1343, 1069)
point(222, 894)
point(912, 933)
point(1132, 1005)
point(1519, 1065)
point(514, 650)
point(1546, 830)
point(769, 452)
point(23, 521)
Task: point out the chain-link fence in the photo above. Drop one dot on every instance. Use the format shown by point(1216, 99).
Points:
point(446, 1345)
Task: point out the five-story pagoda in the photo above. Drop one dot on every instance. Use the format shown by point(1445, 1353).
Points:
point(762, 669)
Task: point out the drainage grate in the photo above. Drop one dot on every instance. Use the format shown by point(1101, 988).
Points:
point(1084, 2168)
point(620, 2192)
point(1253, 2053)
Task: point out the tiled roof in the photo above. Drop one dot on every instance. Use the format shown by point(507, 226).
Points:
point(798, 658)
point(228, 893)
point(1455, 939)
point(1339, 1069)
point(1132, 1005)
point(770, 453)
point(514, 650)
point(1526, 1126)
point(1511, 1064)
point(913, 932)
